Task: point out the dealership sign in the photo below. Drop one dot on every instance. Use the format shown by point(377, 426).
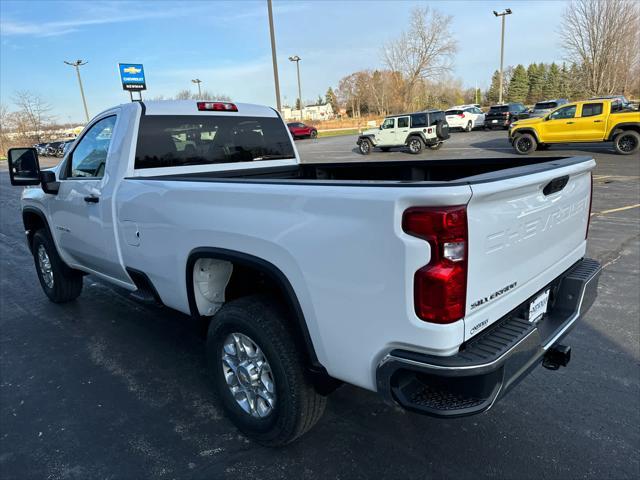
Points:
point(132, 76)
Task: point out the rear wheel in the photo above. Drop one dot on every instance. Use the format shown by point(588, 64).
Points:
point(524, 143)
point(415, 145)
point(59, 282)
point(365, 146)
point(259, 374)
point(469, 126)
point(627, 142)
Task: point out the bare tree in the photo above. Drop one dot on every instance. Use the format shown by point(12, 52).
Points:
point(602, 37)
point(423, 52)
point(32, 114)
point(206, 95)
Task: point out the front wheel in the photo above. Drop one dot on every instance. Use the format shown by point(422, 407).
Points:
point(415, 145)
point(258, 370)
point(59, 282)
point(524, 143)
point(365, 146)
point(627, 142)
point(313, 134)
point(469, 127)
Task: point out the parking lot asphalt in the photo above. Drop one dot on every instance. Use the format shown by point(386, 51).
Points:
point(105, 387)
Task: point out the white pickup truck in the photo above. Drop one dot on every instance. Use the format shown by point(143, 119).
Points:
point(438, 284)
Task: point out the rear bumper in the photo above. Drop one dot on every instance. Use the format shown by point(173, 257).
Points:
point(491, 363)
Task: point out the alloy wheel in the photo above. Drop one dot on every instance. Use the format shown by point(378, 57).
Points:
point(45, 266)
point(248, 375)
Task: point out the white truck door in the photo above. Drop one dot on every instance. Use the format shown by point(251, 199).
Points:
point(78, 210)
point(387, 135)
point(402, 130)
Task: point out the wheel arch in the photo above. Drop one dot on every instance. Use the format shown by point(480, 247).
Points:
point(420, 135)
point(34, 219)
point(621, 127)
point(530, 131)
point(246, 264)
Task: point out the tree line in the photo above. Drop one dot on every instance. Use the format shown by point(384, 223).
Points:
point(600, 41)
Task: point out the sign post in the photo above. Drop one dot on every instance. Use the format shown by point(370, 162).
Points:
point(132, 77)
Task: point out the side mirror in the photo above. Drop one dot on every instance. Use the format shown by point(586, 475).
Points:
point(24, 168)
point(49, 183)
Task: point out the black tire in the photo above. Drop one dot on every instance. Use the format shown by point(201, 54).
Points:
point(627, 142)
point(469, 126)
point(63, 284)
point(436, 146)
point(297, 406)
point(524, 143)
point(415, 145)
point(440, 130)
point(385, 149)
point(365, 146)
point(313, 134)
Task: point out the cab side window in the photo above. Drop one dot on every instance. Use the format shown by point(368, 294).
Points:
point(591, 109)
point(562, 113)
point(389, 123)
point(89, 157)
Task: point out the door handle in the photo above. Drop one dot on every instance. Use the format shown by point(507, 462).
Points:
point(405, 131)
point(597, 121)
point(92, 199)
point(570, 123)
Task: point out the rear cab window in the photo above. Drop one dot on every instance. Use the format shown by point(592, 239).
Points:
point(181, 140)
point(591, 109)
point(499, 109)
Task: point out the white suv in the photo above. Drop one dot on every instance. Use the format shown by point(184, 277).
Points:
point(465, 117)
point(413, 130)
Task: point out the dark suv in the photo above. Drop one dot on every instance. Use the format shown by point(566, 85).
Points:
point(503, 115)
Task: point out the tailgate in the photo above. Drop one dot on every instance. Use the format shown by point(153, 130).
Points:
point(523, 233)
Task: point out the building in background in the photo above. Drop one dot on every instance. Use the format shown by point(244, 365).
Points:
point(310, 112)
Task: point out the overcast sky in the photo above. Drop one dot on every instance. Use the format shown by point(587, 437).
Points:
point(226, 45)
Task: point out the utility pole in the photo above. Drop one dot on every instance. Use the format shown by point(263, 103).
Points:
point(77, 64)
point(197, 81)
point(297, 59)
point(273, 56)
point(503, 15)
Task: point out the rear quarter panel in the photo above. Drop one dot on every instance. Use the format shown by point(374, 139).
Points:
point(342, 249)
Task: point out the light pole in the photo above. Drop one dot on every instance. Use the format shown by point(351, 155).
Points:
point(273, 56)
point(77, 64)
point(297, 59)
point(197, 81)
point(501, 14)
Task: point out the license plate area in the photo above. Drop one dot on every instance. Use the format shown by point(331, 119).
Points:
point(539, 306)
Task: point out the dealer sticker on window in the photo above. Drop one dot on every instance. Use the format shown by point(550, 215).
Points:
point(538, 307)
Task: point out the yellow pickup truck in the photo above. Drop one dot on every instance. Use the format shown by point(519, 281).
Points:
point(587, 121)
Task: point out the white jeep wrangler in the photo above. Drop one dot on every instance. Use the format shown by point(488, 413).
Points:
point(414, 130)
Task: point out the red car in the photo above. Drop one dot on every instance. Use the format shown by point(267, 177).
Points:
point(300, 130)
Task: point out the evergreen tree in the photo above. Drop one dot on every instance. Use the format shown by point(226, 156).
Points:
point(564, 86)
point(494, 90)
point(536, 82)
point(518, 85)
point(551, 87)
point(330, 97)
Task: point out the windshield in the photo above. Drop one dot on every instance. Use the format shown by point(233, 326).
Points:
point(545, 105)
point(178, 140)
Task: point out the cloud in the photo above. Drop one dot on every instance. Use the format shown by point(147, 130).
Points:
point(102, 13)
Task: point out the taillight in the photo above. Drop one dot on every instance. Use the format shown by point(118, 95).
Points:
point(461, 115)
point(217, 106)
point(586, 234)
point(440, 287)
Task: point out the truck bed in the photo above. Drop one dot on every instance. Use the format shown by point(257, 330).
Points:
point(394, 173)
